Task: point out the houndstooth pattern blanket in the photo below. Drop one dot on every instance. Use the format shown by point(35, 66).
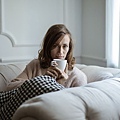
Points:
point(11, 100)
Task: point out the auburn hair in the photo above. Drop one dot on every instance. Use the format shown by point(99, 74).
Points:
point(52, 35)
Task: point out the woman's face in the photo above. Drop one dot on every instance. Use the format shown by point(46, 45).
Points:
point(60, 48)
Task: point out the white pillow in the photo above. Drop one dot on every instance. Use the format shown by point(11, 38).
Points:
point(96, 74)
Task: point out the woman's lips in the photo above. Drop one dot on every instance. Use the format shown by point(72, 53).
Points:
point(60, 57)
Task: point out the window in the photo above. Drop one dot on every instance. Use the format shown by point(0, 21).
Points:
point(112, 32)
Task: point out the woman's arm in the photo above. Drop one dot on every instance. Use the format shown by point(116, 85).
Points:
point(25, 75)
point(79, 79)
point(59, 75)
point(29, 72)
point(76, 78)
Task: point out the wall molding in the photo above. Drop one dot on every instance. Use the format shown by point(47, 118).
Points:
point(10, 36)
point(12, 60)
point(77, 59)
point(90, 60)
point(14, 44)
point(18, 43)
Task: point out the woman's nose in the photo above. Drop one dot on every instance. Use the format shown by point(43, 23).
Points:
point(60, 49)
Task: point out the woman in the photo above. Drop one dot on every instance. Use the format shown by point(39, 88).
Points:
point(57, 44)
point(38, 76)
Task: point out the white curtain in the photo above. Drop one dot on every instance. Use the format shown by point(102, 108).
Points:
point(112, 32)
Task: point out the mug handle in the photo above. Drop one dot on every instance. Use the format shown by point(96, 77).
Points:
point(53, 63)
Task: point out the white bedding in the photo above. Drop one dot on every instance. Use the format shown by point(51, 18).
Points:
point(95, 101)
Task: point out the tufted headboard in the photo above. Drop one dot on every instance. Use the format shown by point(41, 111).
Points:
point(93, 73)
point(9, 72)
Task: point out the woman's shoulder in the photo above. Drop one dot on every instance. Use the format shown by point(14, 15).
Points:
point(33, 62)
point(76, 71)
point(77, 77)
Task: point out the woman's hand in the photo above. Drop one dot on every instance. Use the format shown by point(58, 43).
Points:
point(59, 75)
point(62, 76)
point(51, 71)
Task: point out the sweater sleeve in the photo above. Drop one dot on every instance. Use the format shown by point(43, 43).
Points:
point(29, 71)
point(76, 78)
point(79, 78)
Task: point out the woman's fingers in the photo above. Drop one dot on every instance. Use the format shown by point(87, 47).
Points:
point(52, 72)
point(63, 75)
point(57, 73)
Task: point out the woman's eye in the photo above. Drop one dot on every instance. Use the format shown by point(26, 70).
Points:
point(65, 46)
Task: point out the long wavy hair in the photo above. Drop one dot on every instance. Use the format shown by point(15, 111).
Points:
point(52, 35)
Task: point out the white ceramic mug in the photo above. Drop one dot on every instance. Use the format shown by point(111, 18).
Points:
point(61, 63)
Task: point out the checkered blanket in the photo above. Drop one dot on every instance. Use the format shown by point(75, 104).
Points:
point(11, 100)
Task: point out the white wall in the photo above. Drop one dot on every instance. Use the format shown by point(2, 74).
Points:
point(23, 24)
point(93, 32)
